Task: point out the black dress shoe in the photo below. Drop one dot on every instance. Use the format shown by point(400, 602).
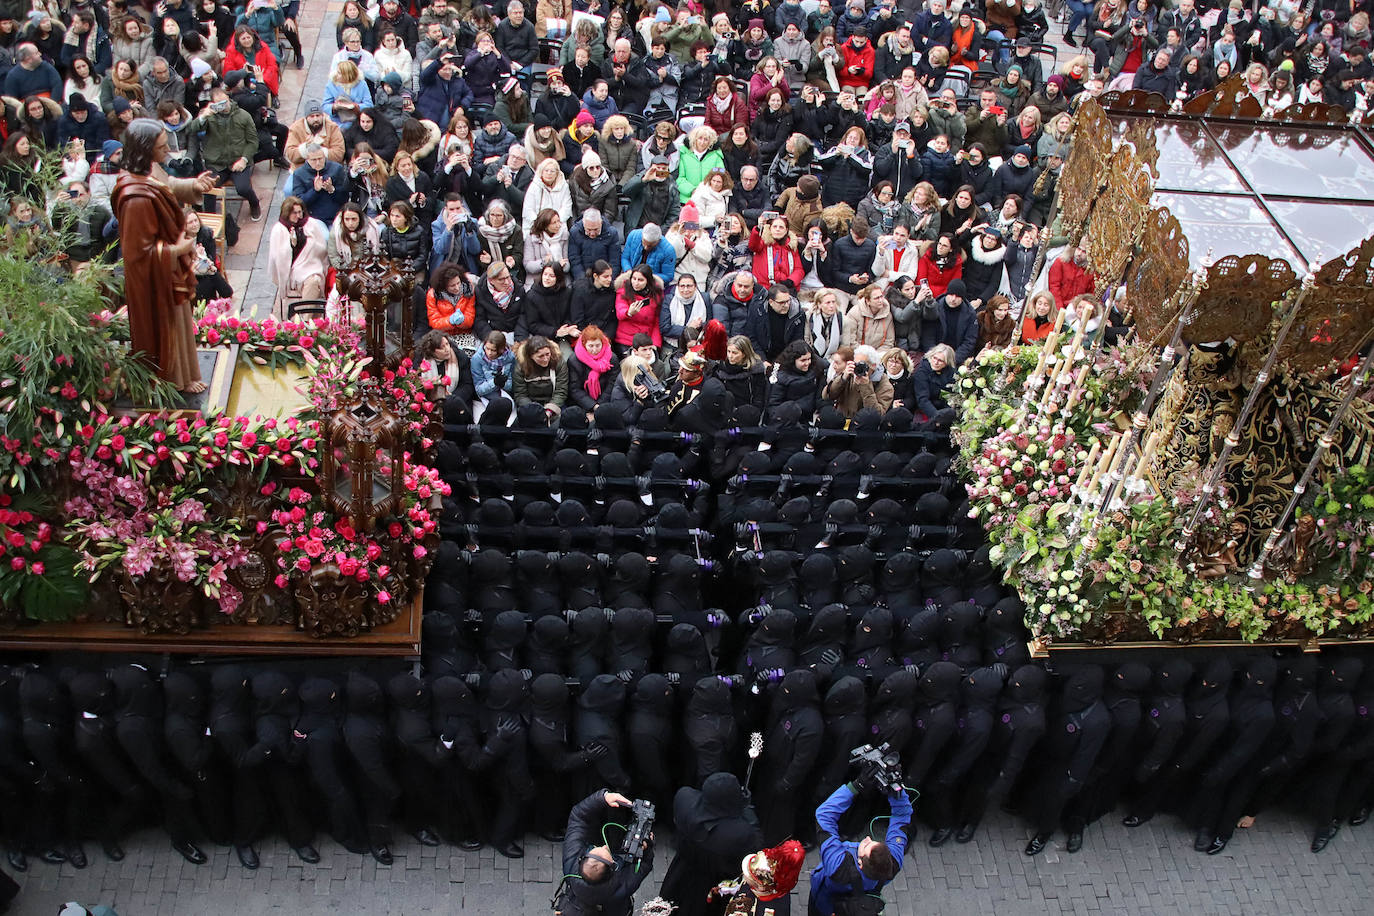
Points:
point(1075, 841)
point(18, 861)
point(553, 836)
point(1359, 817)
point(1068, 40)
point(190, 852)
point(469, 845)
point(1216, 846)
point(940, 837)
point(307, 854)
point(248, 856)
point(1038, 843)
point(1324, 836)
point(77, 856)
point(1203, 840)
point(53, 857)
point(966, 833)
point(426, 837)
point(281, 163)
point(382, 854)
point(1133, 820)
point(511, 851)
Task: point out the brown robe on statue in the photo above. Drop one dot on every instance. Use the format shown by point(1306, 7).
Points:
point(158, 286)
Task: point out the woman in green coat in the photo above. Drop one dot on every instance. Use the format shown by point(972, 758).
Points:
point(696, 160)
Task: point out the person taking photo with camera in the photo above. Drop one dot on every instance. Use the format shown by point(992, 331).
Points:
point(851, 874)
point(598, 878)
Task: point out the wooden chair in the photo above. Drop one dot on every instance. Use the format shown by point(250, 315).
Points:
point(306, 308)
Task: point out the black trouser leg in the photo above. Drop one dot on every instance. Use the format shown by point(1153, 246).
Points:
point(243, 184)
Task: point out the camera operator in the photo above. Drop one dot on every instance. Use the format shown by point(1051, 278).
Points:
point(851, 875)
point(595, 878)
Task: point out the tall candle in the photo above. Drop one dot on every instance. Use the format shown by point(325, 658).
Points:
point(1089, 463)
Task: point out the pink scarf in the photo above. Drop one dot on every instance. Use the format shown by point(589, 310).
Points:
point(598, 364)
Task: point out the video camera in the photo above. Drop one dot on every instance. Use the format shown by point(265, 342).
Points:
point(637, 835)
point(879, 766)
point(658, 392)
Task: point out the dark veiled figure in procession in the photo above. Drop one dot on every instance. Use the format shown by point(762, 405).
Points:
point(1251, 721)
point(138, 726)
point(917, 642)
point(978, 693)
point(899, 585)
point(445, 645)
point(942, 578)
point(25, 816)
point(580, 578)
point(1004, 634)
point(821, 648)
point(1073, 741)
point(816, 576)
point(185, 728)
point(870, 647)
point(326, 760)
point(61, 787)
point(1017, 729)
point(1208, 710)
point(504, 640)
point(632, 640)
point(1122, 696)
point(960, 640)
point(588, 644)
point(277, 707)
point(508, 778)
point(710, 728)
point(537, 580)
point(686, 657)
point(556, 763)
point(546, 648)
point(369, 741)
point(792, 739)
point(768, 650)
point(597, 720)
point(1341, 743)
point(232, 728)
point(1297, 716)
point(445, 787)
point(935, 721)
point(844, 712)
point(1163, 721)
point(114, 778)
point(649, 730)
point(716, 828)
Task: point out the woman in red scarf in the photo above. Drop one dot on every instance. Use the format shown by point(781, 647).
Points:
point(636, 307)
point(941, 263)
point(592, 369)
point(775, 255)
point(967, 46)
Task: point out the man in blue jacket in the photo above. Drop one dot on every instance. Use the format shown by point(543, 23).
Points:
point(851, 870)
point(442, 90)
point(648, 246)
point(591, 240)
point(321, 184)
point(453, 236)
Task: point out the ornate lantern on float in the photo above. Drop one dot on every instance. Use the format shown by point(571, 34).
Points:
point(382, 286)
point(362, 467)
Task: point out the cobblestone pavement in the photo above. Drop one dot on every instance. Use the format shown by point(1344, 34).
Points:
point(1152, 869)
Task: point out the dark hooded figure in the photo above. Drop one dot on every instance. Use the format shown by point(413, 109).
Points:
point(556, 762)
point(596, 720)
point(508, 778)
point(959, 636)
point(460, 756)
point(710, 728)
point(369, 743)
point(1339, 744)
point(777, 582)
point(816, 577)
point(1017, 729)
point(870, 647)
point(280, 759)
point(791, 746)
point(491, 583)
point(941, 578)
point(22, 803)
point(1252, 720)
point(1163, 719)
point(821, 649)
point(936, 720)
point(138, 726)
point(1073, 741)
point(1004, 636)
point(917, 643)
point(649, 728)
point(547, 646)
point(580, 577)
point(892, 712)
point(321, 724)
point(632, 640)
point(978, 694)
point(716, 829)
point(588, 644)
point(504, 641)
point(982, 581)
point(846, 727)
point(185, 728)
point(686, 656)
point(768, 651)
point(899, 585)
point(231, 726)
point(537, 581)
point(1207, 711)
point(97, 746)
point(446, 587)
point(677, 586)
point(1122, 697)
point(628, 584)
point(1298, 716)
point(418, 754)
point(46, 728)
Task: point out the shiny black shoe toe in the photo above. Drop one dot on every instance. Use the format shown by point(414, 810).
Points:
point(77, 856)
point(383, 855)
point(248, 857)
point(966, 833)
point(1075, 841)
point(1216, 846)
point(53, 857)
point(191, 853)
point(426, 837)
point(512, 851)
point(1324, 836)
point(1133, 820)
point(1037, 844)
point(469, 845)
point(940, 837)
point(18, 861)
point(307, 854)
